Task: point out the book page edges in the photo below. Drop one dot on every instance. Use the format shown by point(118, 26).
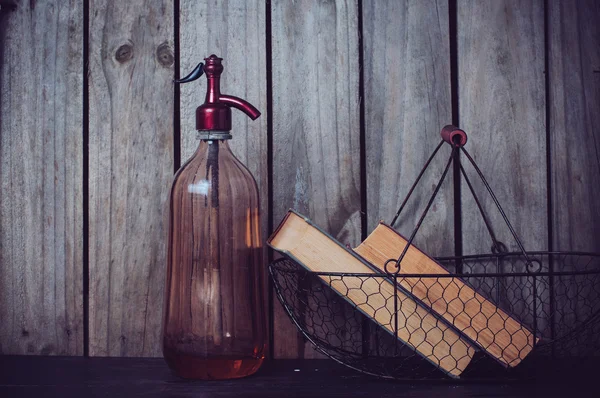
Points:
point(289, 234)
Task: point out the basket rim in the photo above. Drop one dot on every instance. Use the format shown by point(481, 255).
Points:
point(276, 265)
point(519, 253)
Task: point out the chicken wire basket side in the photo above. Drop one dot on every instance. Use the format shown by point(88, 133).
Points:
point(336, 326)
point(555, 297)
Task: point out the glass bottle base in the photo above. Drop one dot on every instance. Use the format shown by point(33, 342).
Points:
point(214, 368)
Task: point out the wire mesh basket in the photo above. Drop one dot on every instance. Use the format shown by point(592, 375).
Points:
point(554, 296)
point(563, 315)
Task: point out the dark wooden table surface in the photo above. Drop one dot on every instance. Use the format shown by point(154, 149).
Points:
point(27, 376)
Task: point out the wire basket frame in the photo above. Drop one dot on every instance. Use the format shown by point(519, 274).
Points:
point(561, 309)
point(336, 326)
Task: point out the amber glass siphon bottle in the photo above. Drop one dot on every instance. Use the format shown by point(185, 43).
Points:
point(214, 322)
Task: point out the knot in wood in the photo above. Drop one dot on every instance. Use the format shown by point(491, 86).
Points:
point(165, 55)
point(10, 5)
point(124, 53)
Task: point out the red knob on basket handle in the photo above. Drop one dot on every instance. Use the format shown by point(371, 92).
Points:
point(454, 136)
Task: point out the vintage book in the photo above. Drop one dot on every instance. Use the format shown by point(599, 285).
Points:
point(495, 331)
point(418, 328)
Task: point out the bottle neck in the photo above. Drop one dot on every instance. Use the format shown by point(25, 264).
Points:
point(213, 91)
point(213, 135)
point(208, 147)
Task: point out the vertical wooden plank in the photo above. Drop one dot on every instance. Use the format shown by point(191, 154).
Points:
point(574, 67)
point(130, 170)
point(41, 74)
point(502, 108)
point(407, 102)
point(316, 143)
point(234, 31)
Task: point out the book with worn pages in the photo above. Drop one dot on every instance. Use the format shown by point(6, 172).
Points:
point(432, 338)
point(499, 334)
point(426, 306)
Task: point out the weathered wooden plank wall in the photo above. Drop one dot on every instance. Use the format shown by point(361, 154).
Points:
point(501, 97)
point(502, 106)
point(41, 151)
point(574, 67)
point(407, 101)
point(130, 169)
point(574, 104)
point(316, 142)
point(314, 49)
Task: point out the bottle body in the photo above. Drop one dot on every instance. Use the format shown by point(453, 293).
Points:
point(214, 322)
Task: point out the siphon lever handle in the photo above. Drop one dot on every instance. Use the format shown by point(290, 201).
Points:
point(194, 75)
